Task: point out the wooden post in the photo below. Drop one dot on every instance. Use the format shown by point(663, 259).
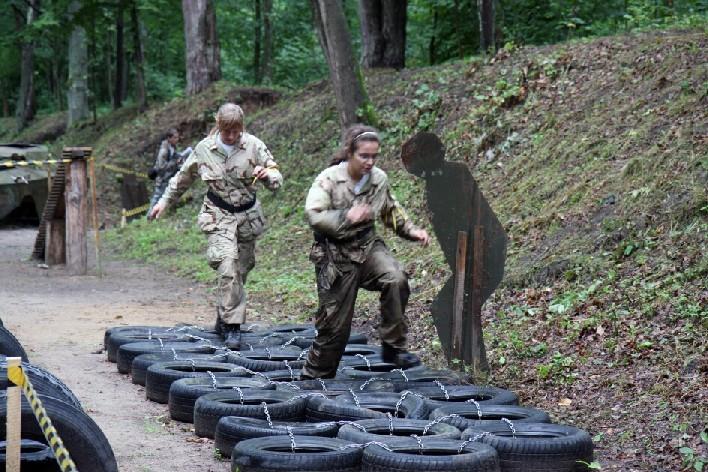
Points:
point(55, 244)
point(480, 365)
point(14, 422)
point(459, 296)
point(94, 214)
point(76, 195)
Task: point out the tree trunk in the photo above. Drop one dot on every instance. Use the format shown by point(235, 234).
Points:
point(77, 96)
point(394, 33)
point(267, 62)
point(257, 71)
point(138, 58)
point(343, 69)
point(26, 105)
point(487, 42)
point(200, 63)
point(213, 49)
point(432, 47)
point(383, 33)
point(120, 57)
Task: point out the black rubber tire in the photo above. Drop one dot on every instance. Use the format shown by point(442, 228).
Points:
point(10, 346)
point(139, 366)
point(116, 340)
point(128, 352)
point(283, 375)
point(424, 374)
point(372, 405)
point(438, 455)
point(262, 360)
point(401, 385)
point(363, 349)
point(35, 456)
point(160, 375)
point(84, 440)
point(376, 369)
point(252, 342)
point(306, 341)
point(537, 447)
point(209, 408)
point(43, 381)
point(314, 454)
point(233, 429)
point(491, 415)
point(184, 392)
point(486, 395)
point(386, 431)
point(336, 386)
point(130, 329)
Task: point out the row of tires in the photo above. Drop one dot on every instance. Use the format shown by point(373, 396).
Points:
point(86, 443)
point(372, 416)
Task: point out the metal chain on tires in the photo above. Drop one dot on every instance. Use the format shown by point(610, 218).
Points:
point(405, 377)
point(292, 438)
point(420, 443)
point(477, 405)
point(267, 415)
point(213, 380)
point(442, 387)
point(511, 426)
point(390, 423)
point(370, 380)
point(476, 437)
point(362, 356)
point(356, 399)
point(438, 420)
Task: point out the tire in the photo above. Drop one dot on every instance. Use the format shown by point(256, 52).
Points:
point(184, 392)
point(44, 383)
point(252, 342)
point(139, 366)
point(437, 397)
point(444, 376)
point(283, 375)
point(376, 369)
point(537, 446)
point(233, 429)
point(306, 341)
point(336, 386)
point(160, 375)
point(131, 329)
point(371, 405)
point(116, 340)
point(314, 454)
point(491, 415)
point(10, 346)
point(262, 360)
point(34, 457)
point(363, 349)
point(397, 429)
point(401, 385)
point(438, 455)
point(128, 352)
point(209, 408)
point(84, 440)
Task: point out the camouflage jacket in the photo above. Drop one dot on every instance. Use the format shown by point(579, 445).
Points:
point(166, 162)
point(332, 195)
point(230, 177)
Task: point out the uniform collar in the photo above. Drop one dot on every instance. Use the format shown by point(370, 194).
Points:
point(342, 175)
point(214, 145)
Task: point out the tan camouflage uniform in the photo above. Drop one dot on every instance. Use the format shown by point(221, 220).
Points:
point(231, 237)
point(353, 256)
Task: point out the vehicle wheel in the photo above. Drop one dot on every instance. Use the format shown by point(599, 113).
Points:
point(385, 430)
point(160, 375)
point(34, 457)
point(275, 453)
point(139, 366)
point(209, 408)
point(365, 405)
point(128, 352)
point(438, 396)
point(439, 455)
point(84, 440)
point(43, 381)
point(468, 416)
point(536, 446)
point(230, 430)
point(10, 346)
point(184, 392)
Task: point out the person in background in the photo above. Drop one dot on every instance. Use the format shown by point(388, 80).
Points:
point(167, 163)
point(231, 162)
point(342, 207)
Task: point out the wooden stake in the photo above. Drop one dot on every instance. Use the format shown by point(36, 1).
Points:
point(480, 365)
point(459, 296)
point(95, 216)
point(76, 211)
point(14, 422)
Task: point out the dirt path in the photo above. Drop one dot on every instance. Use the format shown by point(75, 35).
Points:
point(60, 320)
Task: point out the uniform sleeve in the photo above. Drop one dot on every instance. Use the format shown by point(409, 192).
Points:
point(394, 216)
point(319, 212)
point(265, 158)
point(161, 161)
point(181, 181)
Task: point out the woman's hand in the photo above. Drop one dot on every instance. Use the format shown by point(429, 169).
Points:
point(260, 172)
point(421, 236)
point(359, 213)
point(157, 211)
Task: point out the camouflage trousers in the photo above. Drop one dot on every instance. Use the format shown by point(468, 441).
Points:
point(379, 272)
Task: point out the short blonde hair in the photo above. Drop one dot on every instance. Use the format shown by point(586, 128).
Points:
point(229, 116)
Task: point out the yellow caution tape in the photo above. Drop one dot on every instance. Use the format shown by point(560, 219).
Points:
point(135, 211)
point(17, 376)
point(33, 163)
point(122, 170)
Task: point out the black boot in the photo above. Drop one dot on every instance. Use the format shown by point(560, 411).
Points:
point(399, 357)
point(233, 336)
point(219, 325)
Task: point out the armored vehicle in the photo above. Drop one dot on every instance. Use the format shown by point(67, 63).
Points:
point(23, 188)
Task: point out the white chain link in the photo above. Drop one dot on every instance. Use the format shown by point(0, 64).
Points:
point(267, 415)
point(390, 424)
point(150, 334)
point(356, 399)
point(420, 443)
point(511, 426)
point(174, 355)
point(405, 377)
point(479, 407)
point(436, 421)
point(240, 393)
point(213, 379)
point(476, 437)
point(292, 438)
point(303, 354)
point(324, 387)
point(290, 369)
point(442, 387)
point(194, 364)
point(162, 345)
point(372, 379)
point(362, 356)
point(365, 445)
point(353, 423)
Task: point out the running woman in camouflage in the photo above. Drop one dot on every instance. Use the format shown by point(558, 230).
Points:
point(342, 207)
point(230, 162)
